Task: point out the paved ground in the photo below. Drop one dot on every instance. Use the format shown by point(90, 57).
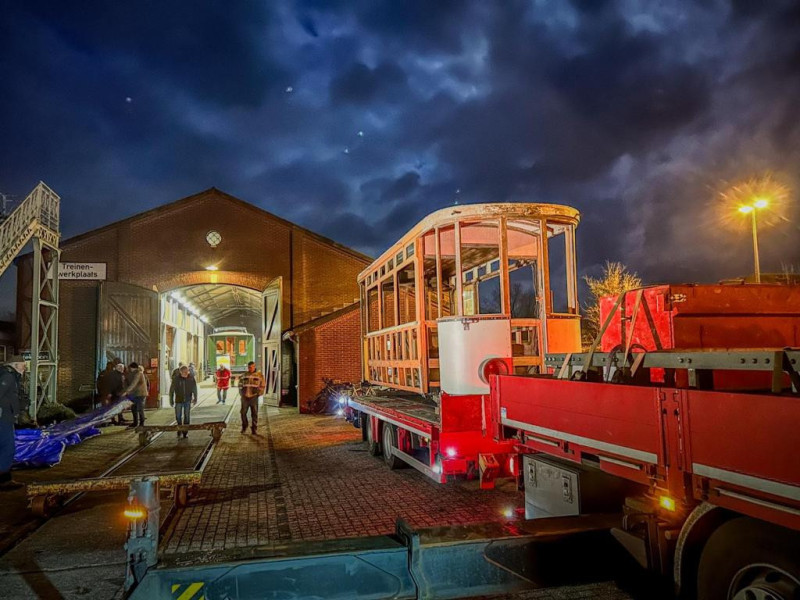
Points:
point(79, 552)
point(306, 478)
point(302, 478)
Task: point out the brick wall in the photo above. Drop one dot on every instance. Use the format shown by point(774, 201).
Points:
point(165, 248)
point(331, 350)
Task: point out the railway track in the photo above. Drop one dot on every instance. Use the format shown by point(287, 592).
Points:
point(33, 523)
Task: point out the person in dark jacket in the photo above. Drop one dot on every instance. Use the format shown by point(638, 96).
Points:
point(10, 382)
point(103, 381)
point(116, 388)
point(183, 395)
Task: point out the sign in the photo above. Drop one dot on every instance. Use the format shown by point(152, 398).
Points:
point(82, 271)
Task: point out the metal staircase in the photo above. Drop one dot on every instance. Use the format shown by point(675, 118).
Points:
point(37, 219)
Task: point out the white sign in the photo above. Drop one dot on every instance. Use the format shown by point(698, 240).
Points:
point(82, 271)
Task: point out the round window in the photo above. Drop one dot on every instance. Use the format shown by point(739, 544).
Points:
point(213, 238)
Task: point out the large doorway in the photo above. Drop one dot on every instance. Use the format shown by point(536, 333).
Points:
point(209, 325)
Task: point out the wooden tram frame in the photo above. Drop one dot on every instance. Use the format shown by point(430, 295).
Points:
point(401, 356)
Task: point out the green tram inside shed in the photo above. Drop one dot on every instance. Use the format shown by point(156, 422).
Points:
point(232, 346)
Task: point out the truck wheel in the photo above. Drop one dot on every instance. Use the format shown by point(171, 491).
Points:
point(374, 445)
point(389, 442)
point(745, 559)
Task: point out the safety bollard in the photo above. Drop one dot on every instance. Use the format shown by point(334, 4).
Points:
point(142, 512)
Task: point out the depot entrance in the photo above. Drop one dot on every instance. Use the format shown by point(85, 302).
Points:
point(214, 324)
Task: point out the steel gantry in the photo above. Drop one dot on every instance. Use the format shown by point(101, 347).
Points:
point(37, 219)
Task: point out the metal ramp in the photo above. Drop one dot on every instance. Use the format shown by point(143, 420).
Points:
point(37, 218)
point(437, 563)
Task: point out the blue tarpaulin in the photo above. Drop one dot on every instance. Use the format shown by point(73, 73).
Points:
point(44, 447)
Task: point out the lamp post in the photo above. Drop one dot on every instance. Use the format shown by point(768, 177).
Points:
point(751, 209)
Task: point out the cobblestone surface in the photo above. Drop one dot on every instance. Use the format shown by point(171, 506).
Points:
point(307, 478)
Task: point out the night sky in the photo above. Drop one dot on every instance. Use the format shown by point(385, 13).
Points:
point(355, 119)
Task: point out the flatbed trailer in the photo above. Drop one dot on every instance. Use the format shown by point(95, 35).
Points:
point(411, 431)
point(718, 506)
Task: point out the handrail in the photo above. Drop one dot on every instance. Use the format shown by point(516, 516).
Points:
point(37, 215)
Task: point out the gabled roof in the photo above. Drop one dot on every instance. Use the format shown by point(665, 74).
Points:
point(167, 208)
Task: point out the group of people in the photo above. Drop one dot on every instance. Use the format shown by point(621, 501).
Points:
point(251, 385)
point(115, 383)
point(183, 394)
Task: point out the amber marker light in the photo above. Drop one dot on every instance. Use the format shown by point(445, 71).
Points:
point(667, 503)
point(134, 512)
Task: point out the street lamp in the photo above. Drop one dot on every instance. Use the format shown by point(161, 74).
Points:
point(751, 209)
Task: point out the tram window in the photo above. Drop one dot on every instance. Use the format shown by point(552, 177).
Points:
point(405, 294)
point(480, 249)
point(388, 303)
point(522, 289)
point(242, 347)
point(373, 320)
point(559, 238)
point(229, 345)
point(220, 347)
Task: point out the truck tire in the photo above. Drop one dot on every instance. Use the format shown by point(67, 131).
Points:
point(389, 441)
point(374, 445)
point(746, 559)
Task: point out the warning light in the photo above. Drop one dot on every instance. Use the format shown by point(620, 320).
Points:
point(134, 512)
point(667, 503)
point(451, 452)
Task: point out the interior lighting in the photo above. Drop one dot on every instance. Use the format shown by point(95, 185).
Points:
point(667, 503)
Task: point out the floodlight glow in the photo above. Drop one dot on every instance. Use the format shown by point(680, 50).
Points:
point(761, 203)
point(746, 209)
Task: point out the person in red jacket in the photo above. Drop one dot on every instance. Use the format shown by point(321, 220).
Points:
point(223, 383)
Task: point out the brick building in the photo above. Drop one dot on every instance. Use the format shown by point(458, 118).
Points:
point(228, 261)
point(325, 347)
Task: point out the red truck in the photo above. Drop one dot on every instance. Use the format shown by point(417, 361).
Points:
point(683, 415)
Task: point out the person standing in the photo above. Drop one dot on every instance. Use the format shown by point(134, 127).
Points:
point(10, 382)
point(193, 370)
point(251, 386)
point(137, 390)
point(116, 389)
point(103, 385)
point(183, 395)
point(223, 383)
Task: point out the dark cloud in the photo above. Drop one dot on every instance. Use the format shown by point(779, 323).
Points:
point(356, 119)
point(362, 85)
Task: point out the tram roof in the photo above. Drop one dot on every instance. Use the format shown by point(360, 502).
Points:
point(484, 211)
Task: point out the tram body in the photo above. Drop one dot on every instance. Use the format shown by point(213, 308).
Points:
point(233, 347)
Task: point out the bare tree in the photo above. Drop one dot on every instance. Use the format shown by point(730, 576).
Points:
point(615, 279)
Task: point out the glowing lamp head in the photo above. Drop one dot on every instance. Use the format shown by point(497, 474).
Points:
point(508, 513)
point(212, 268)
point(342, 400)
point(747, 209)
point(761, 203)
point(451, 452)
point(667, 503)
point(134, 512)
point(340, 412)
